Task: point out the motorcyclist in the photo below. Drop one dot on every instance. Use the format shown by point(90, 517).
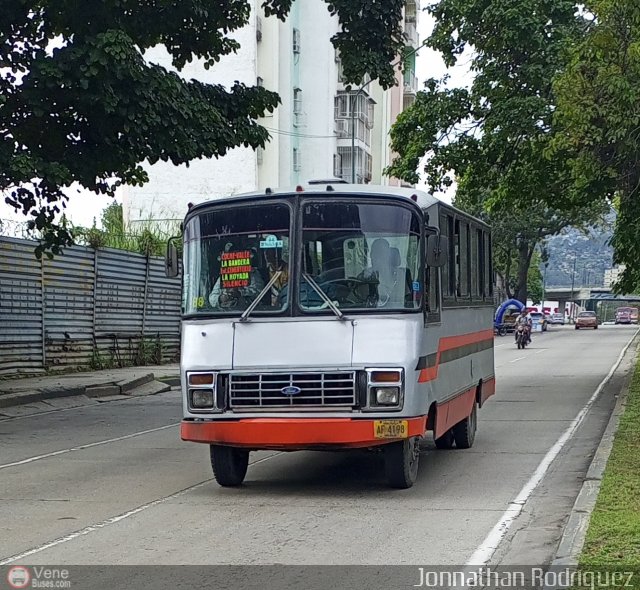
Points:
point(524, 319)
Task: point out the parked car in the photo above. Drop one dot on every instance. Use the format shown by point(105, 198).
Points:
point(624, 315)
point(557, 318)
point(587, 319)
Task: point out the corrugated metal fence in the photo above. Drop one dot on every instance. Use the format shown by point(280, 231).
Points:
point(86, 308)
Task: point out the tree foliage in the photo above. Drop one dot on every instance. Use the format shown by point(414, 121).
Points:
point(493, 136)
point(598, 124)
point(80, 104)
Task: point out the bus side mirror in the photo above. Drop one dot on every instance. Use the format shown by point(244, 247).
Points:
point(437, 248)
point(171, 265)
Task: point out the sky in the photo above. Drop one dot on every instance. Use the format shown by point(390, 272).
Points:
point(83, 207)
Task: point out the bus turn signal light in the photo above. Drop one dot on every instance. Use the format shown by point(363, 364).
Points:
point(201, 379)
point(386, 377)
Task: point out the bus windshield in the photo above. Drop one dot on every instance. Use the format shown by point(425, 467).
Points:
point(362, 256)
point(232, 254)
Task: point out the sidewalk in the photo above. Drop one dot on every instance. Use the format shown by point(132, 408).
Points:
point(107, 384)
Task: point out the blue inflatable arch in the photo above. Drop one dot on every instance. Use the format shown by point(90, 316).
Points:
point(503, 307)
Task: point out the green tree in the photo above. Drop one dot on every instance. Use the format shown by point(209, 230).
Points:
point(79, 103)
point(492, 137)
point(598, 120)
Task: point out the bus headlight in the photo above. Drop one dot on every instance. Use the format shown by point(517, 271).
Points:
point(201, 398)
point(201, 391)
point(387, 396)
point(384, 389)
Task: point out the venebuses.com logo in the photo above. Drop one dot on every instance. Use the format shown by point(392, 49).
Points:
point(18, 577)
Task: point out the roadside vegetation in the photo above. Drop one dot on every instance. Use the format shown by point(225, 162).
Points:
point(613, 538)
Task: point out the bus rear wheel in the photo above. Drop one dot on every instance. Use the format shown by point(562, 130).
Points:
point(229, 465)
point(401, 463)
point(445, 441)
point(464, 432)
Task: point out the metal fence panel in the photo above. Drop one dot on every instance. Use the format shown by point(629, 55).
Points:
point(21, 310)
point(68, 291)
point(163, 300)
point(84, 308)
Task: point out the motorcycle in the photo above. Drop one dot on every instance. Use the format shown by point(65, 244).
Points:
point(522, 336)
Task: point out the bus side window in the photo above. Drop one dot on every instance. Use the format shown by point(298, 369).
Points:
point(462, 259)
point(448, 270)
point(475, 265)
point(488, 274)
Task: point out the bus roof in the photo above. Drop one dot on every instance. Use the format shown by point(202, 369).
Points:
point(327, 187)
point(334, 187)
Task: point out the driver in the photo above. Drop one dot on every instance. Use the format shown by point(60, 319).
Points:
point(384, 275)
point(230, 298)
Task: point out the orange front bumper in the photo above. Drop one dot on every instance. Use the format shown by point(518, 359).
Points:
point(292, 433)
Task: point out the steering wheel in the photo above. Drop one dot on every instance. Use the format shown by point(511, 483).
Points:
point(351, 285)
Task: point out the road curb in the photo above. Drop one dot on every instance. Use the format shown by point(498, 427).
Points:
point(575, 531)
point(110, 389)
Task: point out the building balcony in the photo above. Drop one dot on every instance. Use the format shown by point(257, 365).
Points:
point(410, 82)
point(411, 32)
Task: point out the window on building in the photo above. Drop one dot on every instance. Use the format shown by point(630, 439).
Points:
point(297, 107)
point(337, 166)
point(297, 163)
point(296, 40)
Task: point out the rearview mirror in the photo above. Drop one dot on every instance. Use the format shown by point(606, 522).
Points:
point(171, 265)
point(437, 248)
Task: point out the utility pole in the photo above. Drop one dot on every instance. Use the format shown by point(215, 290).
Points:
point(544, 285)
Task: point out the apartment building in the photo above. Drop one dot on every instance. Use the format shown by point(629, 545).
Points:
point(322, 128)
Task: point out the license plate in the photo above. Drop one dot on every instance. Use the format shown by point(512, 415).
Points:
point(391, 428)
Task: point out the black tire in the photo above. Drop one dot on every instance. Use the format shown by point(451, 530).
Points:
point(401, 463)
point(595, 327)
point(577, 327)
point(445, 441)
point(464, 432)
point(229, 465)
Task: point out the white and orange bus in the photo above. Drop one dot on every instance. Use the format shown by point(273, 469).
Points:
point(333, 317)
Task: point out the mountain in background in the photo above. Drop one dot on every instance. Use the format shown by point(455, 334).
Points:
point(592, 253)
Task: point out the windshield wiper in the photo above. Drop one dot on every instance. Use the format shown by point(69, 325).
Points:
point(324, 297)
point(245, 315)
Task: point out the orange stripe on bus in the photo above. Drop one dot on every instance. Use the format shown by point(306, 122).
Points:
point(450, 343)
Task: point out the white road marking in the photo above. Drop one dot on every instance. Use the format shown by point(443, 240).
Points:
point(113, 520)
point(518, 359)
point(541, 350)
point(87, 446)
point(487, 548)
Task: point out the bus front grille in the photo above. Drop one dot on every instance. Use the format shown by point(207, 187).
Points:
point(292, 390)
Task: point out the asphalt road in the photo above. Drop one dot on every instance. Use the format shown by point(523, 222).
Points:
point(113, 484)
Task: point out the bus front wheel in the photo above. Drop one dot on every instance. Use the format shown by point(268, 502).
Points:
point(401, 463)
point(229, 465)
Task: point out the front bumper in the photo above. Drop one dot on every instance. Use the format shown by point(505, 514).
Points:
point(293, 433)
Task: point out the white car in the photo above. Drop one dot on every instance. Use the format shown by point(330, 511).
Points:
point(557, 318)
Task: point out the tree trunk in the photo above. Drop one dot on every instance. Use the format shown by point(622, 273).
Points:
point(525, 252)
